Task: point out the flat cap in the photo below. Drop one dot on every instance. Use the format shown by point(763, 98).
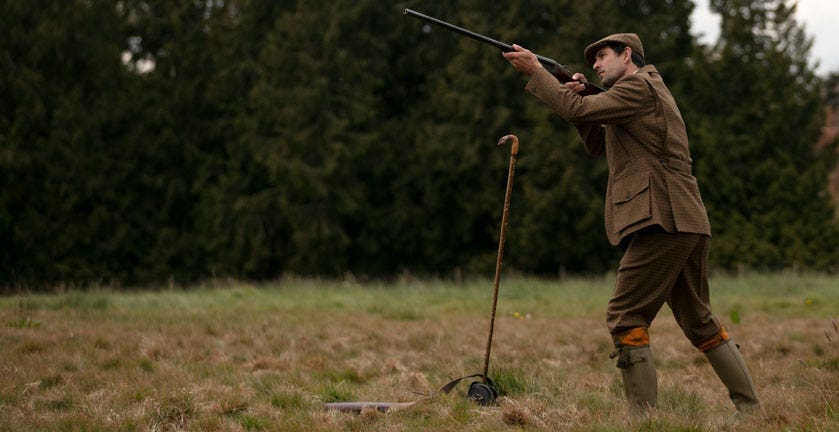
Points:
point(629, 39)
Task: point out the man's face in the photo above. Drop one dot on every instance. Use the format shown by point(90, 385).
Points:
point(609, 66)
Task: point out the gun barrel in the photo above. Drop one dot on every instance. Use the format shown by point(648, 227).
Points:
point(477, 36)
point(468, 33)
point(561, 72)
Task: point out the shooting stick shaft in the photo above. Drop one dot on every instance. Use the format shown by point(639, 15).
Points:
point(501, 239)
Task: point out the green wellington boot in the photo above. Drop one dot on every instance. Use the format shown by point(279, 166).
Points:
point(730, 367)
point(639, 377)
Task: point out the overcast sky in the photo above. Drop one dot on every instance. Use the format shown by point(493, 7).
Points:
point(819, 17)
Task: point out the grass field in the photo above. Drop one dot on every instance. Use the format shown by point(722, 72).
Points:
point(244, 357)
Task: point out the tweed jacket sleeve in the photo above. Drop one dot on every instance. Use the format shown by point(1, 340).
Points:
point(620, 105)
point(637, 126)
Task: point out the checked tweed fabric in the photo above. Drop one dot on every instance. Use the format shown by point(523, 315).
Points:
point(661, 267)
point(653, 206)
point(637, 126)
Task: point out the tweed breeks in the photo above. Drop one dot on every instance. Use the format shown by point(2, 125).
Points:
point(660, 267)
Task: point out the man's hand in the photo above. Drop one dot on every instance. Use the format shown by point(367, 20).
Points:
point(579, 83)
point(523, 60)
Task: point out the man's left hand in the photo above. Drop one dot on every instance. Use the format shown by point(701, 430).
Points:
point(523, 60)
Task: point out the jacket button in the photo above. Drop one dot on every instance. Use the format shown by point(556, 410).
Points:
point(628, 196)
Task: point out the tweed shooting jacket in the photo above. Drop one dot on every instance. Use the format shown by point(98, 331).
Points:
point(637, 126)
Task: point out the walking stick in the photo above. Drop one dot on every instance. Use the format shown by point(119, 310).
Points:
point(483, 391)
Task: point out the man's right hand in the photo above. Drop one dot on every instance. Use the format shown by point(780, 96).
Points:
point(579, 83)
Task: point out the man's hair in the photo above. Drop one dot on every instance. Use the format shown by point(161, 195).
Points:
point(618, 48)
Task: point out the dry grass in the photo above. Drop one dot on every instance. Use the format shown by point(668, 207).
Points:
point(240, 357)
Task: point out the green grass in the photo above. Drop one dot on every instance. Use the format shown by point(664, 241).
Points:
point(267, 357)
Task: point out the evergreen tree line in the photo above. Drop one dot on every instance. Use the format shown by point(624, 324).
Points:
point(144, 141)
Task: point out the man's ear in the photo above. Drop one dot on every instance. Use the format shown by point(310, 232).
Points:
point(627, 52)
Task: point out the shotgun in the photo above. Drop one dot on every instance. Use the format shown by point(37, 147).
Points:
point(559, 71)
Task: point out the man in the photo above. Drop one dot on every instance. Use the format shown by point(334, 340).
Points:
point(654, 211)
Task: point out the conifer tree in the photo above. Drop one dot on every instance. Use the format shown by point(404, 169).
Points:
point(756, 114)
point(62, 121)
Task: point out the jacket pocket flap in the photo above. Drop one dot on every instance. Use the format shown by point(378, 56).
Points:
point(626, 188)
